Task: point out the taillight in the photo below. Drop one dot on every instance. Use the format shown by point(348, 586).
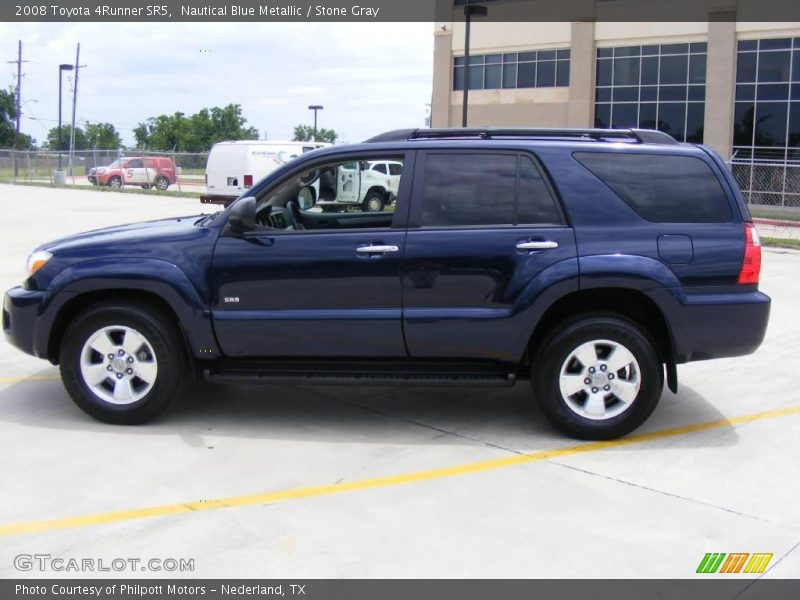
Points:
point(751, 263)
point(248, 181)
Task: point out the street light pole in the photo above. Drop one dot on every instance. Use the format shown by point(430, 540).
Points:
point(470, 10)
point(315, 108)
point(61, 69)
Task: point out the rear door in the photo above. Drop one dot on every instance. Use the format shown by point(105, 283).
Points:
point(484, 228)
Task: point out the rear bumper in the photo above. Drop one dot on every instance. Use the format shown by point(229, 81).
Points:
point(21, 309)
point(715, 325)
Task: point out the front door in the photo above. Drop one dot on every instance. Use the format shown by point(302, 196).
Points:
point(135, 172)
point(311, 283)
point(348, 183)
point(486, 237)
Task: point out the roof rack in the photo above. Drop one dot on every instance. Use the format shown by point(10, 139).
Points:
point(641, 136)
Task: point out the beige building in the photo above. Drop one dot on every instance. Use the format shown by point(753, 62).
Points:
point(732, 85)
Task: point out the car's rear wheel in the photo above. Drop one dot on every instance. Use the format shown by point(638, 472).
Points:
point(373, 202)
point(115, 182)
point(162, 183)
point(597, 376)
point(122, 362)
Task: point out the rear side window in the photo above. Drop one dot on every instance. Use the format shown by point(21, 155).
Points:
point(536, 203)
point(484, 189)
point(395, 169)
point(662, 188)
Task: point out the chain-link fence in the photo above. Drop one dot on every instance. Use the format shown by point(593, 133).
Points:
point(178, 171)
point(771, 187)
point(772, 191)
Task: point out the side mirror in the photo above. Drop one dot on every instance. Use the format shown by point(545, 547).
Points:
point(242, 216)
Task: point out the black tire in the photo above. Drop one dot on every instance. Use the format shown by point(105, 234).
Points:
point(553, 353)
point(162, 183)
point(373, 202)
point(161, 336)
point(115, 182)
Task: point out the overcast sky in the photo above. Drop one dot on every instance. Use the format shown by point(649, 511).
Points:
point(369, 77)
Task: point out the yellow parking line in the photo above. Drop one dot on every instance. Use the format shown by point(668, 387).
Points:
point(13, 529)
point(22, 378)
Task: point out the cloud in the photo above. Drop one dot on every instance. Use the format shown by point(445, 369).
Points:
point(369, 77)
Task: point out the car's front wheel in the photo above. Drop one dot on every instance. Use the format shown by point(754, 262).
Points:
point(373, 202)
point(122, 362)
point(597, 376)
point(115, 182)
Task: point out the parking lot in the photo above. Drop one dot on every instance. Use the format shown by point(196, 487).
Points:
point(301, 481)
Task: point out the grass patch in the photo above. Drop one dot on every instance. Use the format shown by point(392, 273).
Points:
point(780, 215)
point(780, 243)
point(108, 190)
point(8, 172)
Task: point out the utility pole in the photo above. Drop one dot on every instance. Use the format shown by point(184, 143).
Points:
point(74, 104)
point(19, 62)
point(470, 10)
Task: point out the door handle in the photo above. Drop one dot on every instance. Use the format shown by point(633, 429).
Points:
point(537, 245)
point(377, 249)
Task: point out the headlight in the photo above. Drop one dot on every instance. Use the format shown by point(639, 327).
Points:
point(37, 260)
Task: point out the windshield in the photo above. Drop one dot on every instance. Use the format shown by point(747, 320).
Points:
point(114, 164)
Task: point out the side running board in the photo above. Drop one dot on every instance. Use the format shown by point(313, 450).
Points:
point(347, 375)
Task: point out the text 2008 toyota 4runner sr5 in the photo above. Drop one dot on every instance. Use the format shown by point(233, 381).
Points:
point(591, 262)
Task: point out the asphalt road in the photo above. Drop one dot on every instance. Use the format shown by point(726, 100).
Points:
point(297, 481)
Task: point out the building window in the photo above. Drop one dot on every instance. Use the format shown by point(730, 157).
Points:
point(767, 115)
point(543, 68)
point(655, 86)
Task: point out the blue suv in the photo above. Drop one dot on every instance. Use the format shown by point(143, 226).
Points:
point(590, 262)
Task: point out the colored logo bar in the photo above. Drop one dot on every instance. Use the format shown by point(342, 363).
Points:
point(734, 562)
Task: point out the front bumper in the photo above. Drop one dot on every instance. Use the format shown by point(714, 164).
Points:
point(21, 309)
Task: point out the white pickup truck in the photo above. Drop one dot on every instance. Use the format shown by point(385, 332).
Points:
point(368, 184)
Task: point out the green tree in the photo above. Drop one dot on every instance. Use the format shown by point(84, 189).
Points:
point(305, 133)
point(8, 114)
point(8, 125)
point(103, 136)
point(196, 132)
point(80, 138)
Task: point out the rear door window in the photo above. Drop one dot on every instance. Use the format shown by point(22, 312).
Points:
point(662, 188)
point(469, 189)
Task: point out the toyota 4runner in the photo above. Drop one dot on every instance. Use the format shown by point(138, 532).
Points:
point(590, 262)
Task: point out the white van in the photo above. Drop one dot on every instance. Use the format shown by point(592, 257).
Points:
point(235, 166)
